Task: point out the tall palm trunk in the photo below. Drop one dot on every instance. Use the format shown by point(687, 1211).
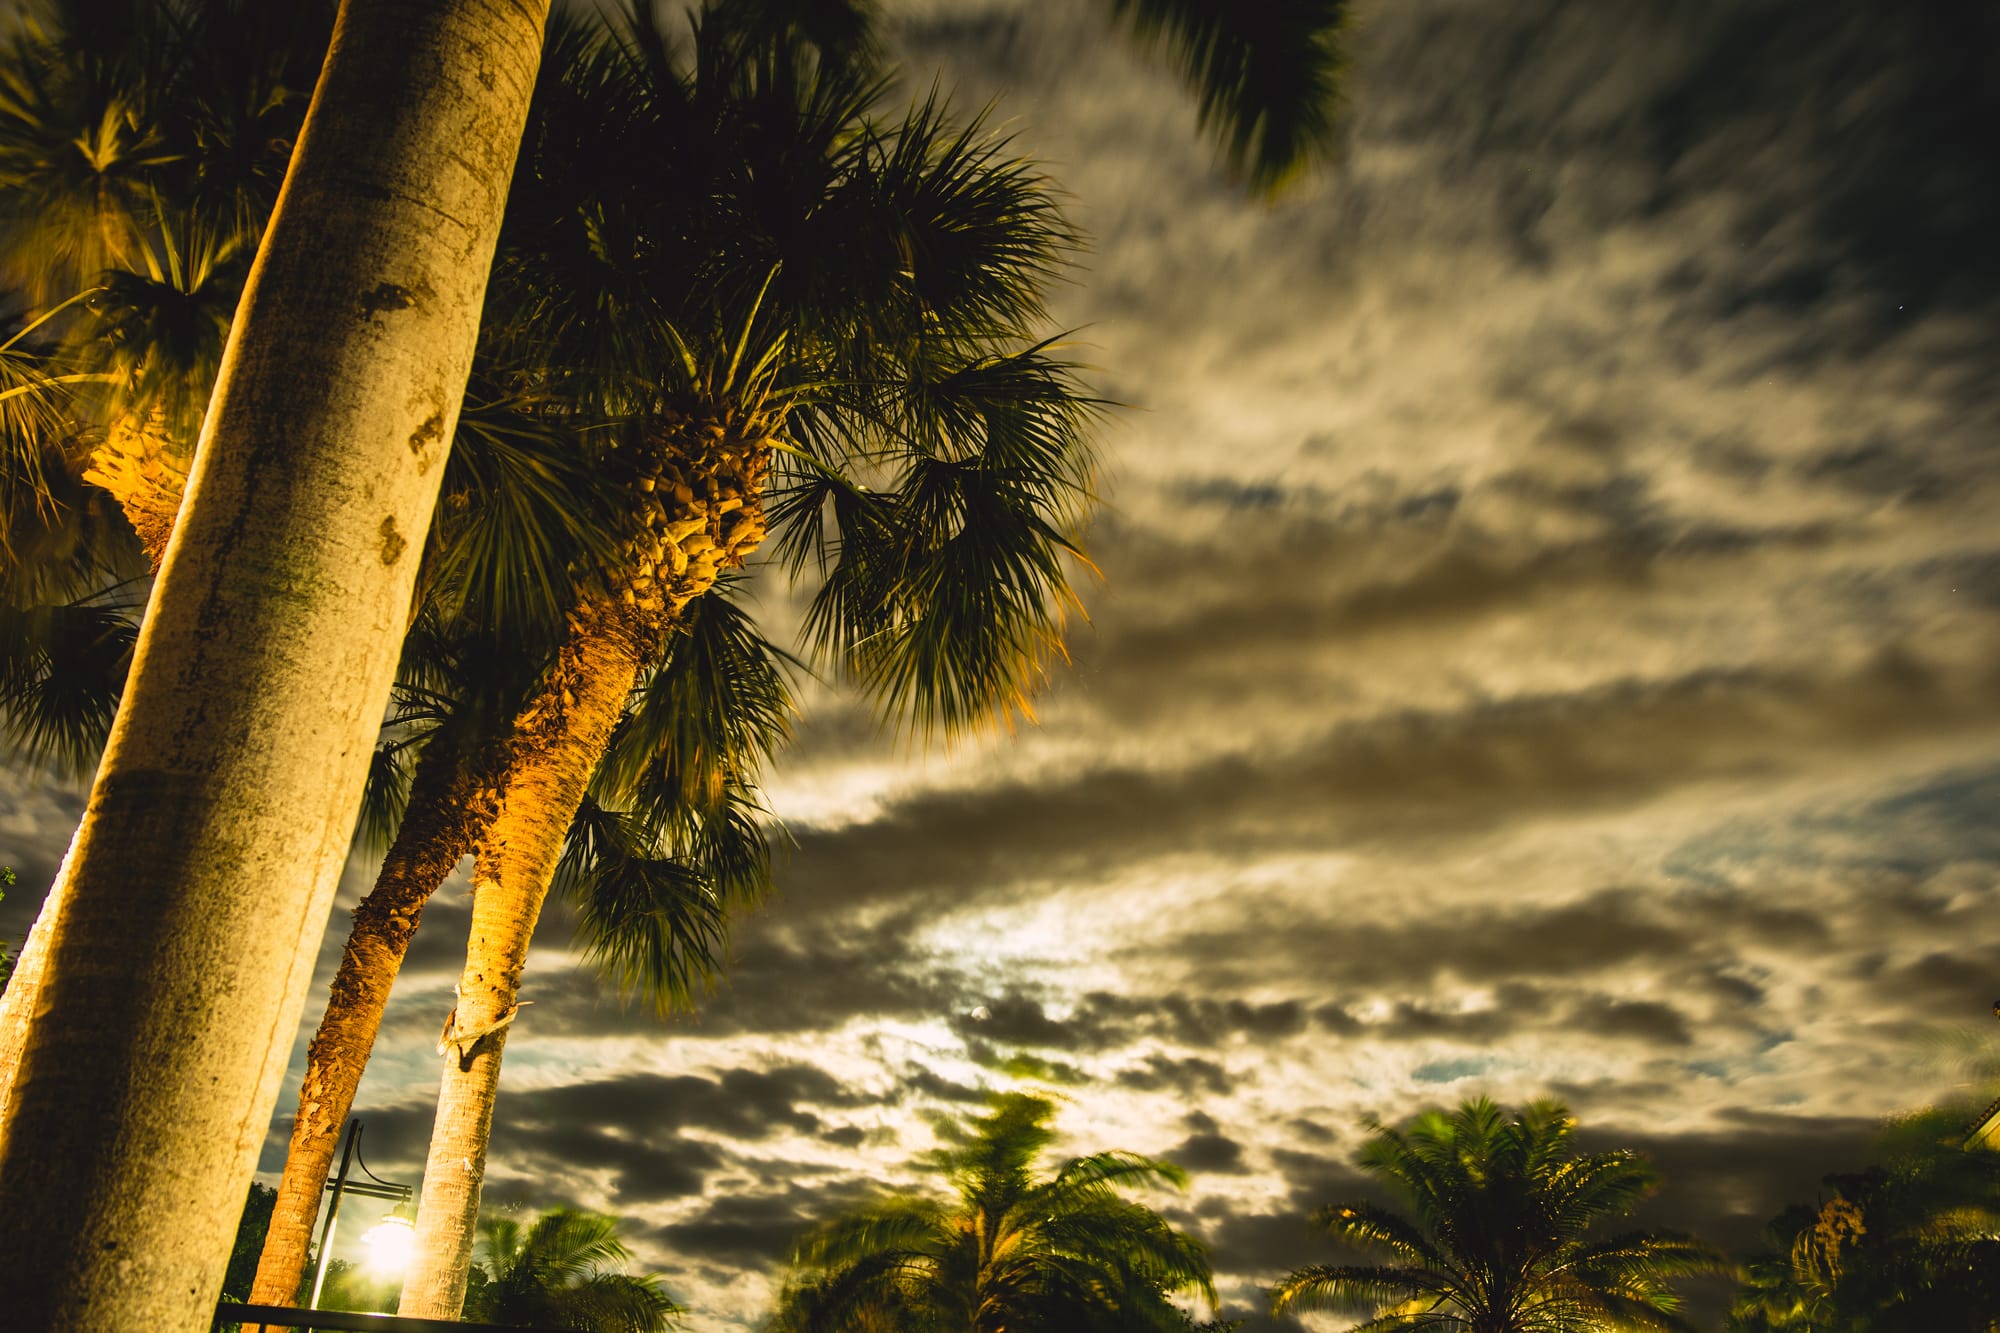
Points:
point(698, 502)
point(511, 873)
point(200, 878)
point(453, 798)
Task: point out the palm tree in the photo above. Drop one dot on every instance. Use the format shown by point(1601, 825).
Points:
point(1498, 1239)
point(563, 1271)
point(943, 592)
point(1009, 1250)
point(855, 303)
point(220, 815)
point(1906, 1243)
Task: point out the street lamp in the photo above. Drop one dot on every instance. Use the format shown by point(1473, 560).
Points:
point(372, 1188)
point(390, 1242)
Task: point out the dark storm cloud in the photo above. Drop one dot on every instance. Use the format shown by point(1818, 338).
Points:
point(1101, 1020)
point(660, 1167)
point(792, 979)
point(37, 816)
point(1726, 1184)
point(632, 1126)
point(747, 1104)
point(756, 1229)
point(1413, 778)
point(1189, 1077)
point(1207, 1149)
point(1229, 613)
point(1640, 1020)
point(929, 1085)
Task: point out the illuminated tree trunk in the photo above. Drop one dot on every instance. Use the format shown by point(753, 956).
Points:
point(452, 801)
point(697, 508)
point(510, 879)
point(200, 878)
point(24, 988)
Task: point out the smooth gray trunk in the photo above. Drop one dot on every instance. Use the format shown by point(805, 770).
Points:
point(201, 877)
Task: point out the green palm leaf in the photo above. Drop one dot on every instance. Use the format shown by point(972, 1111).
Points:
point(1266, 74)
point(1503, 1206)
point(1010, 1249)
point(562, 1271)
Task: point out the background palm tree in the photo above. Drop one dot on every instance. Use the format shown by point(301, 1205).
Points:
point(1909, 1242)
point(563, 1270)
point(1498, 1240)
point(1011, 1249)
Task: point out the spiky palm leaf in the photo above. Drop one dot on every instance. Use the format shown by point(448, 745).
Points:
point(673, 842)
point(1011, 1249)
point(563, 1272)
point(1502, 1207)
point(1266, 74)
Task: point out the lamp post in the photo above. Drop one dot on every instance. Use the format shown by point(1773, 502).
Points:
point(372, 1188)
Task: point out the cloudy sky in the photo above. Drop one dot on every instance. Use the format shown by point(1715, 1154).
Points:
point(1546, 645)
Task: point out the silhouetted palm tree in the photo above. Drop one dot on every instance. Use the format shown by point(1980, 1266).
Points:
point(1907, 1243)
point(1498, 1239)
point(563, 1270)
point(1011, 1251)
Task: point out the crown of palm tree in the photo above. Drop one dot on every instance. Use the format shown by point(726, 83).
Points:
point(1499, 1240)
point(563, 1271)
point(1907, 1243)
point(1010, 1250)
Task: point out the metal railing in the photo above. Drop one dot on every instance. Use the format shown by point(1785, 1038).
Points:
point(348, 1321)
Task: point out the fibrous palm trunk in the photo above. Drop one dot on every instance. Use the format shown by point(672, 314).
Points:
point(453, 798)
point(698, 505)
point(200, 879)
point(142, 466)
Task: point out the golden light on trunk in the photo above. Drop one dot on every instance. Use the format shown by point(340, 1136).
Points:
point(695, 492)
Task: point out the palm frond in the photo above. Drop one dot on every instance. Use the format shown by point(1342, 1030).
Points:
point(563, 1271)
point(1368, 1226)
point(1266, 74)
point(708, 716)
point(1348, 1287)
point(519, 513)
point(1503, 1205)
point(654, 899)
point(947, 596)
point(384, 796)
point(62, 670)
point(1011, 1250)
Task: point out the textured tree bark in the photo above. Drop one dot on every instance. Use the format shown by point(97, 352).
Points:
point(200, 878)
point(696, 508)
point(143, 467)
point(21, 998)
point(452, 801)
